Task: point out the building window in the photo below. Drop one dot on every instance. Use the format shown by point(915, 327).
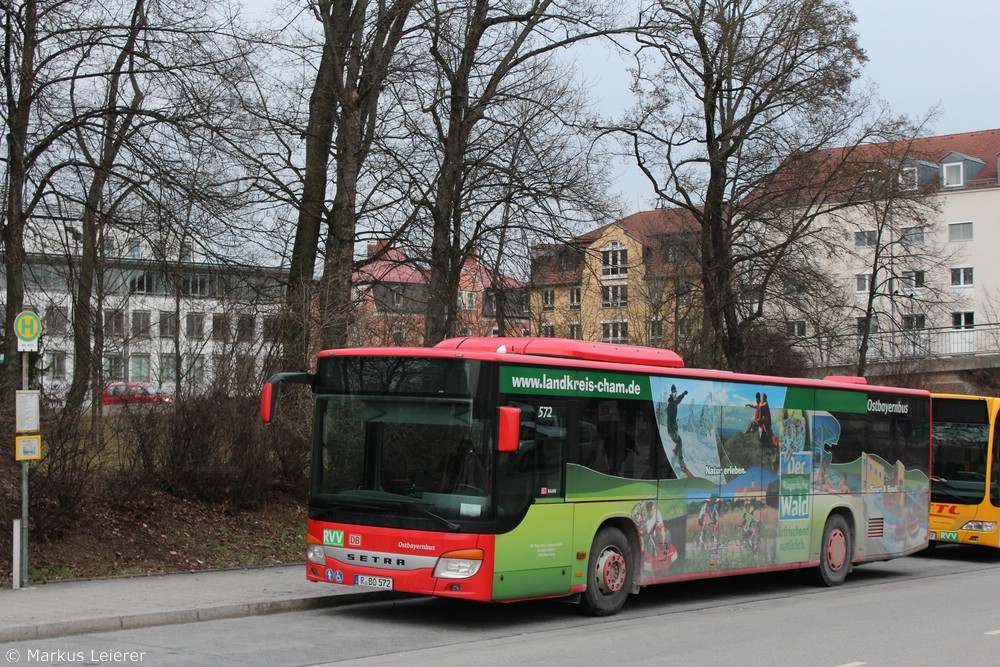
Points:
point(656, 333)
point(141, 323)
point(220, 327)
point(614, 296)
point(656, 292)
point(908, 178)
point(871, 325)
point(951, 175)
point(244, 329)
point(574, 298)
point(168, 324)
point(614, 332)
point(221, 372)
point(683, 328)
point(614, 261)
point(547, 331)
point(862, 282)
point(168, 368)
point(271, 329)
point(964, 320)
point(194, 325)
point(139, 368)
point(195, 285)
point(575, 331)
point(143, 282)
point(914, 322)
point(195, 370)
point(114, 368)
point(56, 320)
point(865, 239)
point(246, 370)
point(961, 277)
point(132, 248)
point(55, 366)
point(465, 331)
point(960, 231)
point(466, 300)
point(912, 280)
point(796, 329)
point(913, 235)
point(114, 323)
point(548, 299)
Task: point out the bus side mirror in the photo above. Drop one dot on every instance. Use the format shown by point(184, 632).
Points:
point(509, 436)
point(269, 394)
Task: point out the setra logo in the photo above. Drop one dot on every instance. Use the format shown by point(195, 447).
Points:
point(334, 538)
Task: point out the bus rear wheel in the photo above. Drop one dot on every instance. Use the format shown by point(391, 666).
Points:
point(835, 552)
point(610, 572)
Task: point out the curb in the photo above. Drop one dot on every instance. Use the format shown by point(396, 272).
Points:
point(177, 617)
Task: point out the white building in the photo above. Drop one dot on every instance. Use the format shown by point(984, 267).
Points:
point(936, 281)
point(186, 324)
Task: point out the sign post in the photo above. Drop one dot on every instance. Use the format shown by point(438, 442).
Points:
point(27, 328)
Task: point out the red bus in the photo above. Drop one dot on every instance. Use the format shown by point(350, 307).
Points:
point(502, 469)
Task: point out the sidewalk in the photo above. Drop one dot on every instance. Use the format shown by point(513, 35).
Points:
point(63, 608)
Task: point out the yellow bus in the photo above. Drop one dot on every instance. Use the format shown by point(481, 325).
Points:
point(965, 481)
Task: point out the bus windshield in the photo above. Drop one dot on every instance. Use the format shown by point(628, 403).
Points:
point(417, 453)
point(960, 451)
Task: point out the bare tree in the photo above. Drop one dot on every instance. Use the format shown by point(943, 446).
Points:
point(732, 92)
point(498, 114)
point(359, 42)
point(100, 100)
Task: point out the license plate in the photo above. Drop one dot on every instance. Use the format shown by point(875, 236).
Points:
point(932, 536)
point(373, 582)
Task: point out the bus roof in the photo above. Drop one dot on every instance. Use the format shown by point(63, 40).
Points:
point(571, 349)
point(584, 354)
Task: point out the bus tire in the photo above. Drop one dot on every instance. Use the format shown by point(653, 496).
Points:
point(835, 552)
point(610, 572)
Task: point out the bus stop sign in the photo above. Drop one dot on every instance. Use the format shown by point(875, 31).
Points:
point(27, 328)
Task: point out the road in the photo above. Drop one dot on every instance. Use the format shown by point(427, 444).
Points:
point(939, 606)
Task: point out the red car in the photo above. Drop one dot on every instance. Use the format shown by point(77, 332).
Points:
point(132, 393)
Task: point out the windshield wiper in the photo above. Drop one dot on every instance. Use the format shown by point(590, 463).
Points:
point(380, 501)
point(450, 525)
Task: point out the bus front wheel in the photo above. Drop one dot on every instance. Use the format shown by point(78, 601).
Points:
point(610, 572)
point(835, 552)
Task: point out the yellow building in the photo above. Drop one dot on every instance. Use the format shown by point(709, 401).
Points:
point(633, 281)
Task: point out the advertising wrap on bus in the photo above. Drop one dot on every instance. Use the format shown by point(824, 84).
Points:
point(758, 460)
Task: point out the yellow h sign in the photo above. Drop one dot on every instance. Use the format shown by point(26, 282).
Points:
point(27, 328)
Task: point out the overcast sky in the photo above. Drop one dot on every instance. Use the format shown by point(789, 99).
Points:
point(924, 53)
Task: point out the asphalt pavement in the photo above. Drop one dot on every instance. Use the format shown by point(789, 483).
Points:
point(74, 607)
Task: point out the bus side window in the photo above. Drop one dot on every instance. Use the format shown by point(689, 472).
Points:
point(539, 459)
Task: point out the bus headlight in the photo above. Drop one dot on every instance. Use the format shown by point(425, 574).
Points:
point(316, 554)
point(459, 564)
point(980, 526)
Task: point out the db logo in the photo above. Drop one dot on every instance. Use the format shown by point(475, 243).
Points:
point(941, 508)
point(354, 540)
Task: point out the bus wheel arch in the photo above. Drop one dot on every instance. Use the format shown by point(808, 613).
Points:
point(611, 569)
point(836, 549)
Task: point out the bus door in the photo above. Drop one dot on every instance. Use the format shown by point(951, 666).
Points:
point(535, 557)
